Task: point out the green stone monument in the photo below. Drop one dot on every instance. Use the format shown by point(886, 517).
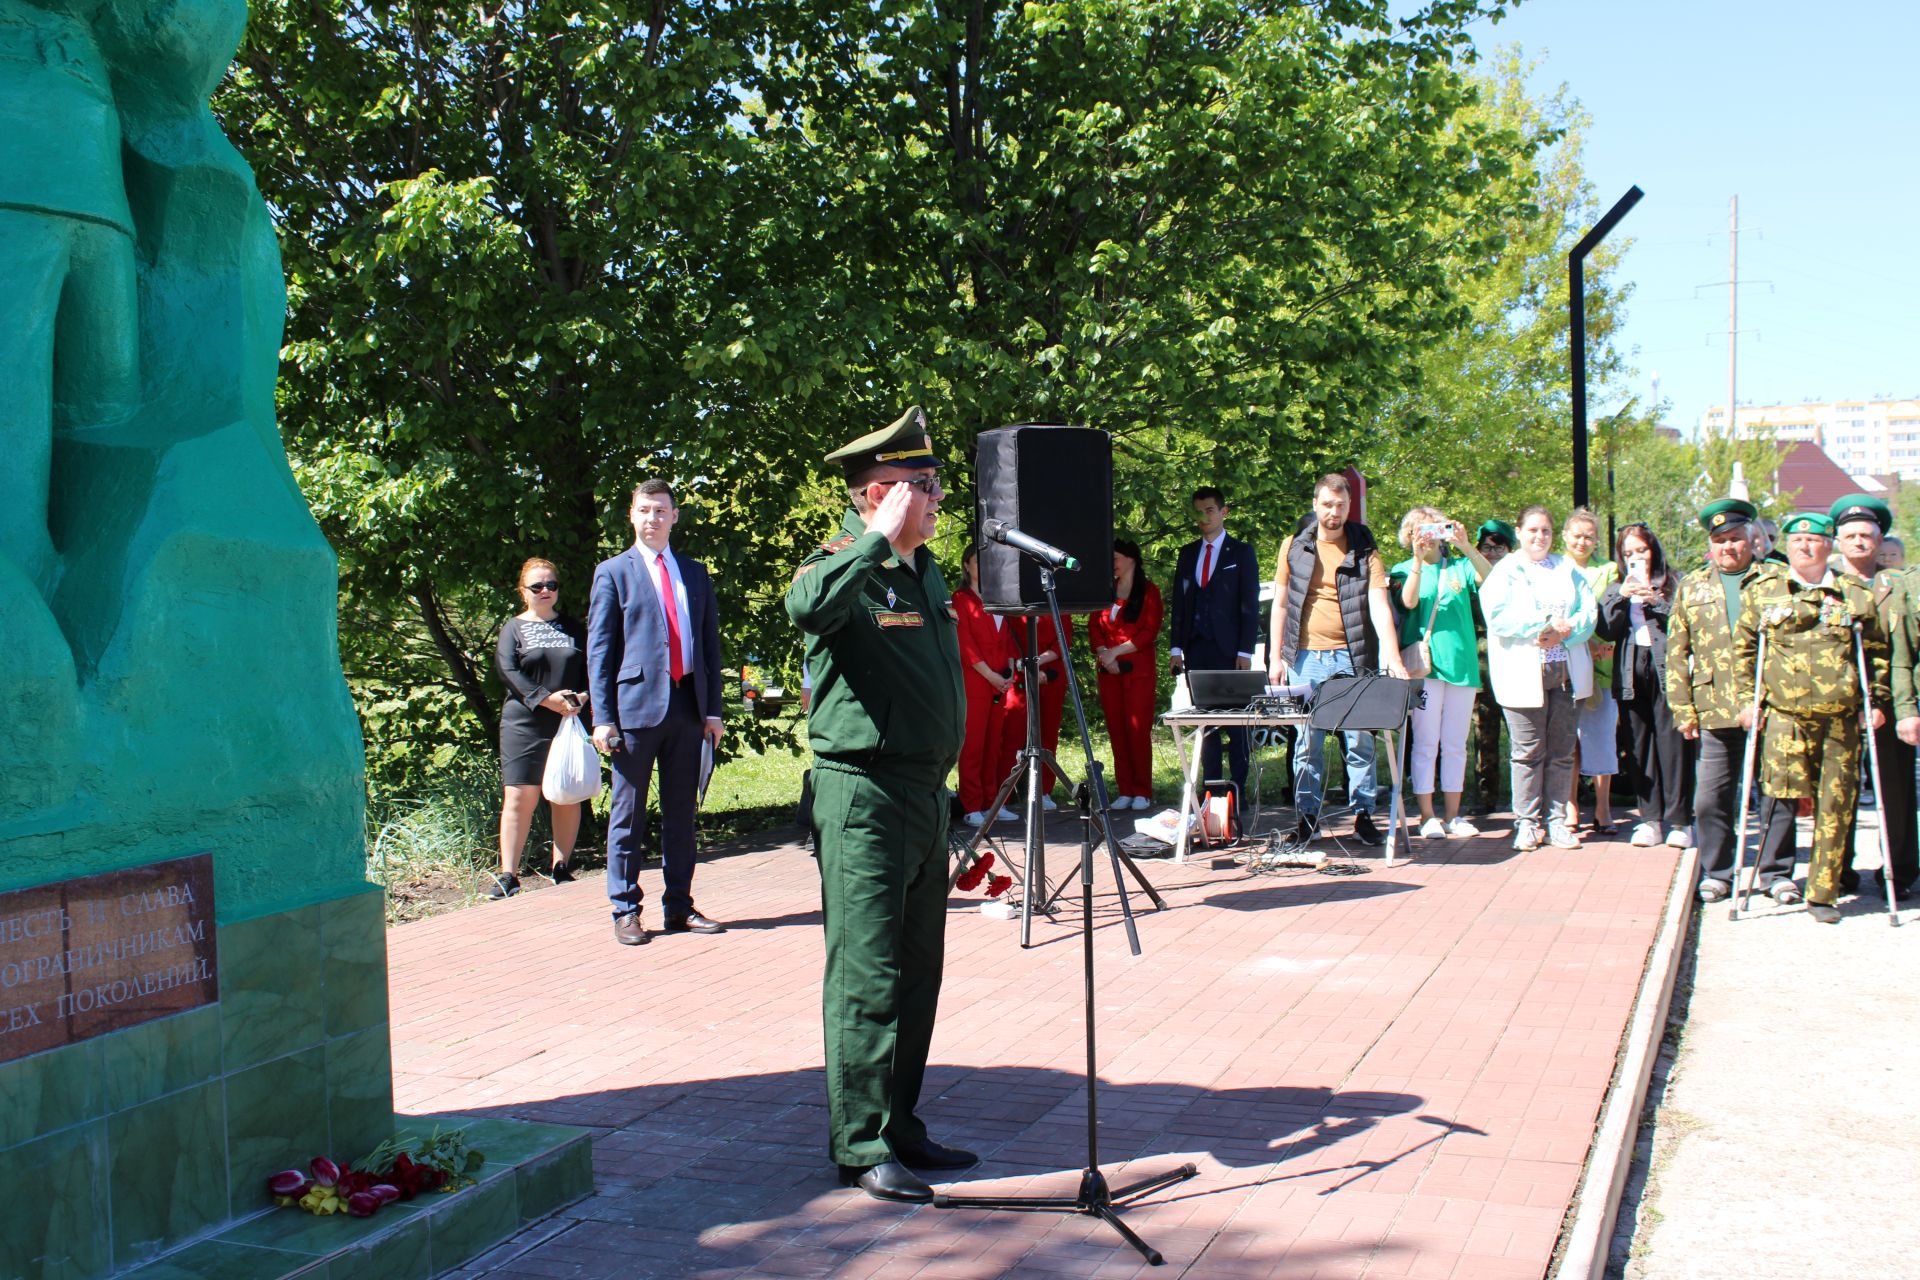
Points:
point(193, 988)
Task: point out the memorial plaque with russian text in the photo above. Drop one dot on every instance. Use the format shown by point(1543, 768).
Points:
point(102, 953)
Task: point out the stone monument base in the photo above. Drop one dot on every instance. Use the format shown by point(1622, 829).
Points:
point(147, 1150)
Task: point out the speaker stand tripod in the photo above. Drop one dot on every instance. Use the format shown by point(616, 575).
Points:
point(1095, 1197)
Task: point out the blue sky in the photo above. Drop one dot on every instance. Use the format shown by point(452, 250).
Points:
point(1811, 115)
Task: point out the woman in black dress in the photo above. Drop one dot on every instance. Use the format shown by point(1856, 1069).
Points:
point(543, 659)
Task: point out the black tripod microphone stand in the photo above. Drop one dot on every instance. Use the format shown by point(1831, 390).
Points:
point(1095, 1197)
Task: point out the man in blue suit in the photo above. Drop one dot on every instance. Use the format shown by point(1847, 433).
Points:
point(653, 671)
point(1215, 617)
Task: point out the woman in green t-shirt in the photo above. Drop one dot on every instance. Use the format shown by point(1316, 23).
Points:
point(1436, 588)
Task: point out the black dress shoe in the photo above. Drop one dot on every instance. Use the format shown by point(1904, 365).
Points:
point(889, 1181)
point(629, 932)
point(694, 922)
point(1364, 831)
point(934, 1155)
point(1849, 881)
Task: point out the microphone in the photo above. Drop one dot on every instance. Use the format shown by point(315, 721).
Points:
point(1001, 531)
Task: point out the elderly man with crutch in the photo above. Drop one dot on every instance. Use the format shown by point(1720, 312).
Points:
point(1814, 686)
point(1703, 694)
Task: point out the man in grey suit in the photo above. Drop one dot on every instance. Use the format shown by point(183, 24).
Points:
point(653, 671)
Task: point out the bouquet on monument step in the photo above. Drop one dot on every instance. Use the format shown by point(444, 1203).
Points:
point(397, 1169)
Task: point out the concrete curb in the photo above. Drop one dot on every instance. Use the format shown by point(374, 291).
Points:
point(1589, 1236)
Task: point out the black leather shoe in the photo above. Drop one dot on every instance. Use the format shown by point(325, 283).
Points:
point(629, 932)
point(934, 1155)
point(1849, 881)
point(1364, 831)
point(694, 922)
point(889, 1181)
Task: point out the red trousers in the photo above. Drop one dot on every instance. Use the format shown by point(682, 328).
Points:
point(980, 768)
point(1128, 701)
point(1053, 706)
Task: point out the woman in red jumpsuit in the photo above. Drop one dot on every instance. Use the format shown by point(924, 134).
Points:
point(1124, 638)
point(986, 660)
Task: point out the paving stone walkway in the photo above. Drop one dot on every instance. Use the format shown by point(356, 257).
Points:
point(1393, 1073)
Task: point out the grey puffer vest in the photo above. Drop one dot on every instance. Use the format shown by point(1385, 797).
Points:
point(1350, 579)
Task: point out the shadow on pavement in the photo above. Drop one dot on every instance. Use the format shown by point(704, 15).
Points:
point(709, 1175)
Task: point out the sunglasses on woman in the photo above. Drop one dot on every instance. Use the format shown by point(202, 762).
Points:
point(548, 585)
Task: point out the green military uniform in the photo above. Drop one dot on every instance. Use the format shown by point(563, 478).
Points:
point(1811, 695)
point(886, 724)
point(1892, 602)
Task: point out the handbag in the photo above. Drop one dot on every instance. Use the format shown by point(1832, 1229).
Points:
point(1417, 658)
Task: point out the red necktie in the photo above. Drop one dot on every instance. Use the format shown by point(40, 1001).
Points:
point(1206, 564)
point(673, 617)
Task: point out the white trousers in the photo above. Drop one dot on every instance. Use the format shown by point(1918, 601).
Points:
point(1440, 731)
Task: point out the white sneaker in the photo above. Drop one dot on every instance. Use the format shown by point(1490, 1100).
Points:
point(1143, 802)
point(978, 818)
point(1680, 837)
point(1008, 815)
point(1460, 828)
point(1433, 829)
point(1526, 836)
point(1047, 804)
point(1645, 836)
point(1561, 836)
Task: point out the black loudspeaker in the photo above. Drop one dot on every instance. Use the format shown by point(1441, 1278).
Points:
point(1055, 484)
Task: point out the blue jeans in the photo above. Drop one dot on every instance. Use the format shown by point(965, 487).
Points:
point(1312, 667)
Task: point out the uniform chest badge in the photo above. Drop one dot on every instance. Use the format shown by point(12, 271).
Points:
point(891, 598)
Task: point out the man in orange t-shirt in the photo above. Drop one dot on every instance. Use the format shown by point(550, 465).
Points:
point(1330, 615)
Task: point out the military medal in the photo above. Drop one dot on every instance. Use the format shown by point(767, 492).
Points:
point(890, 598)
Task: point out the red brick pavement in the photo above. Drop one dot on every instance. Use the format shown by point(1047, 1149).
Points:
point(1391, 1074)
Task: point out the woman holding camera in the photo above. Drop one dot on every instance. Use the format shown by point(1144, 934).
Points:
point(1125, 640)
point(1633, 614)
point(1540, 614)
point(1436, 589)
point(542, 657)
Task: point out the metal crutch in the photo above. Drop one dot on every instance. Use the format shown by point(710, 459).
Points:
point(1737, 902)
point(1873, 758)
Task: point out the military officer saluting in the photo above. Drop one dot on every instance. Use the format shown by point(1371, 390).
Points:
point(1810, 689)
point(1860, 523)
point(1703, 692)
point(886, 723)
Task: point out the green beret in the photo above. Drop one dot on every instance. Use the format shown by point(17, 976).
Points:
point(1808, 522)
point(903, 443)
point(1728, 513)
point(1861, 506)
point(1497, 529)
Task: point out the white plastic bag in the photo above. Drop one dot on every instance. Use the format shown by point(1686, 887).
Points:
point(573, 766)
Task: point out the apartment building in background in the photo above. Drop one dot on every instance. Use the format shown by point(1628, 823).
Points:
point(1863, 437)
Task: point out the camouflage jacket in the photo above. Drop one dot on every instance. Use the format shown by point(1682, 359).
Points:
point(1701, 688)
point(1810, 668)
point(1897, 592)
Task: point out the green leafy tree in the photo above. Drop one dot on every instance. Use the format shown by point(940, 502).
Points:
point(536, 252)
